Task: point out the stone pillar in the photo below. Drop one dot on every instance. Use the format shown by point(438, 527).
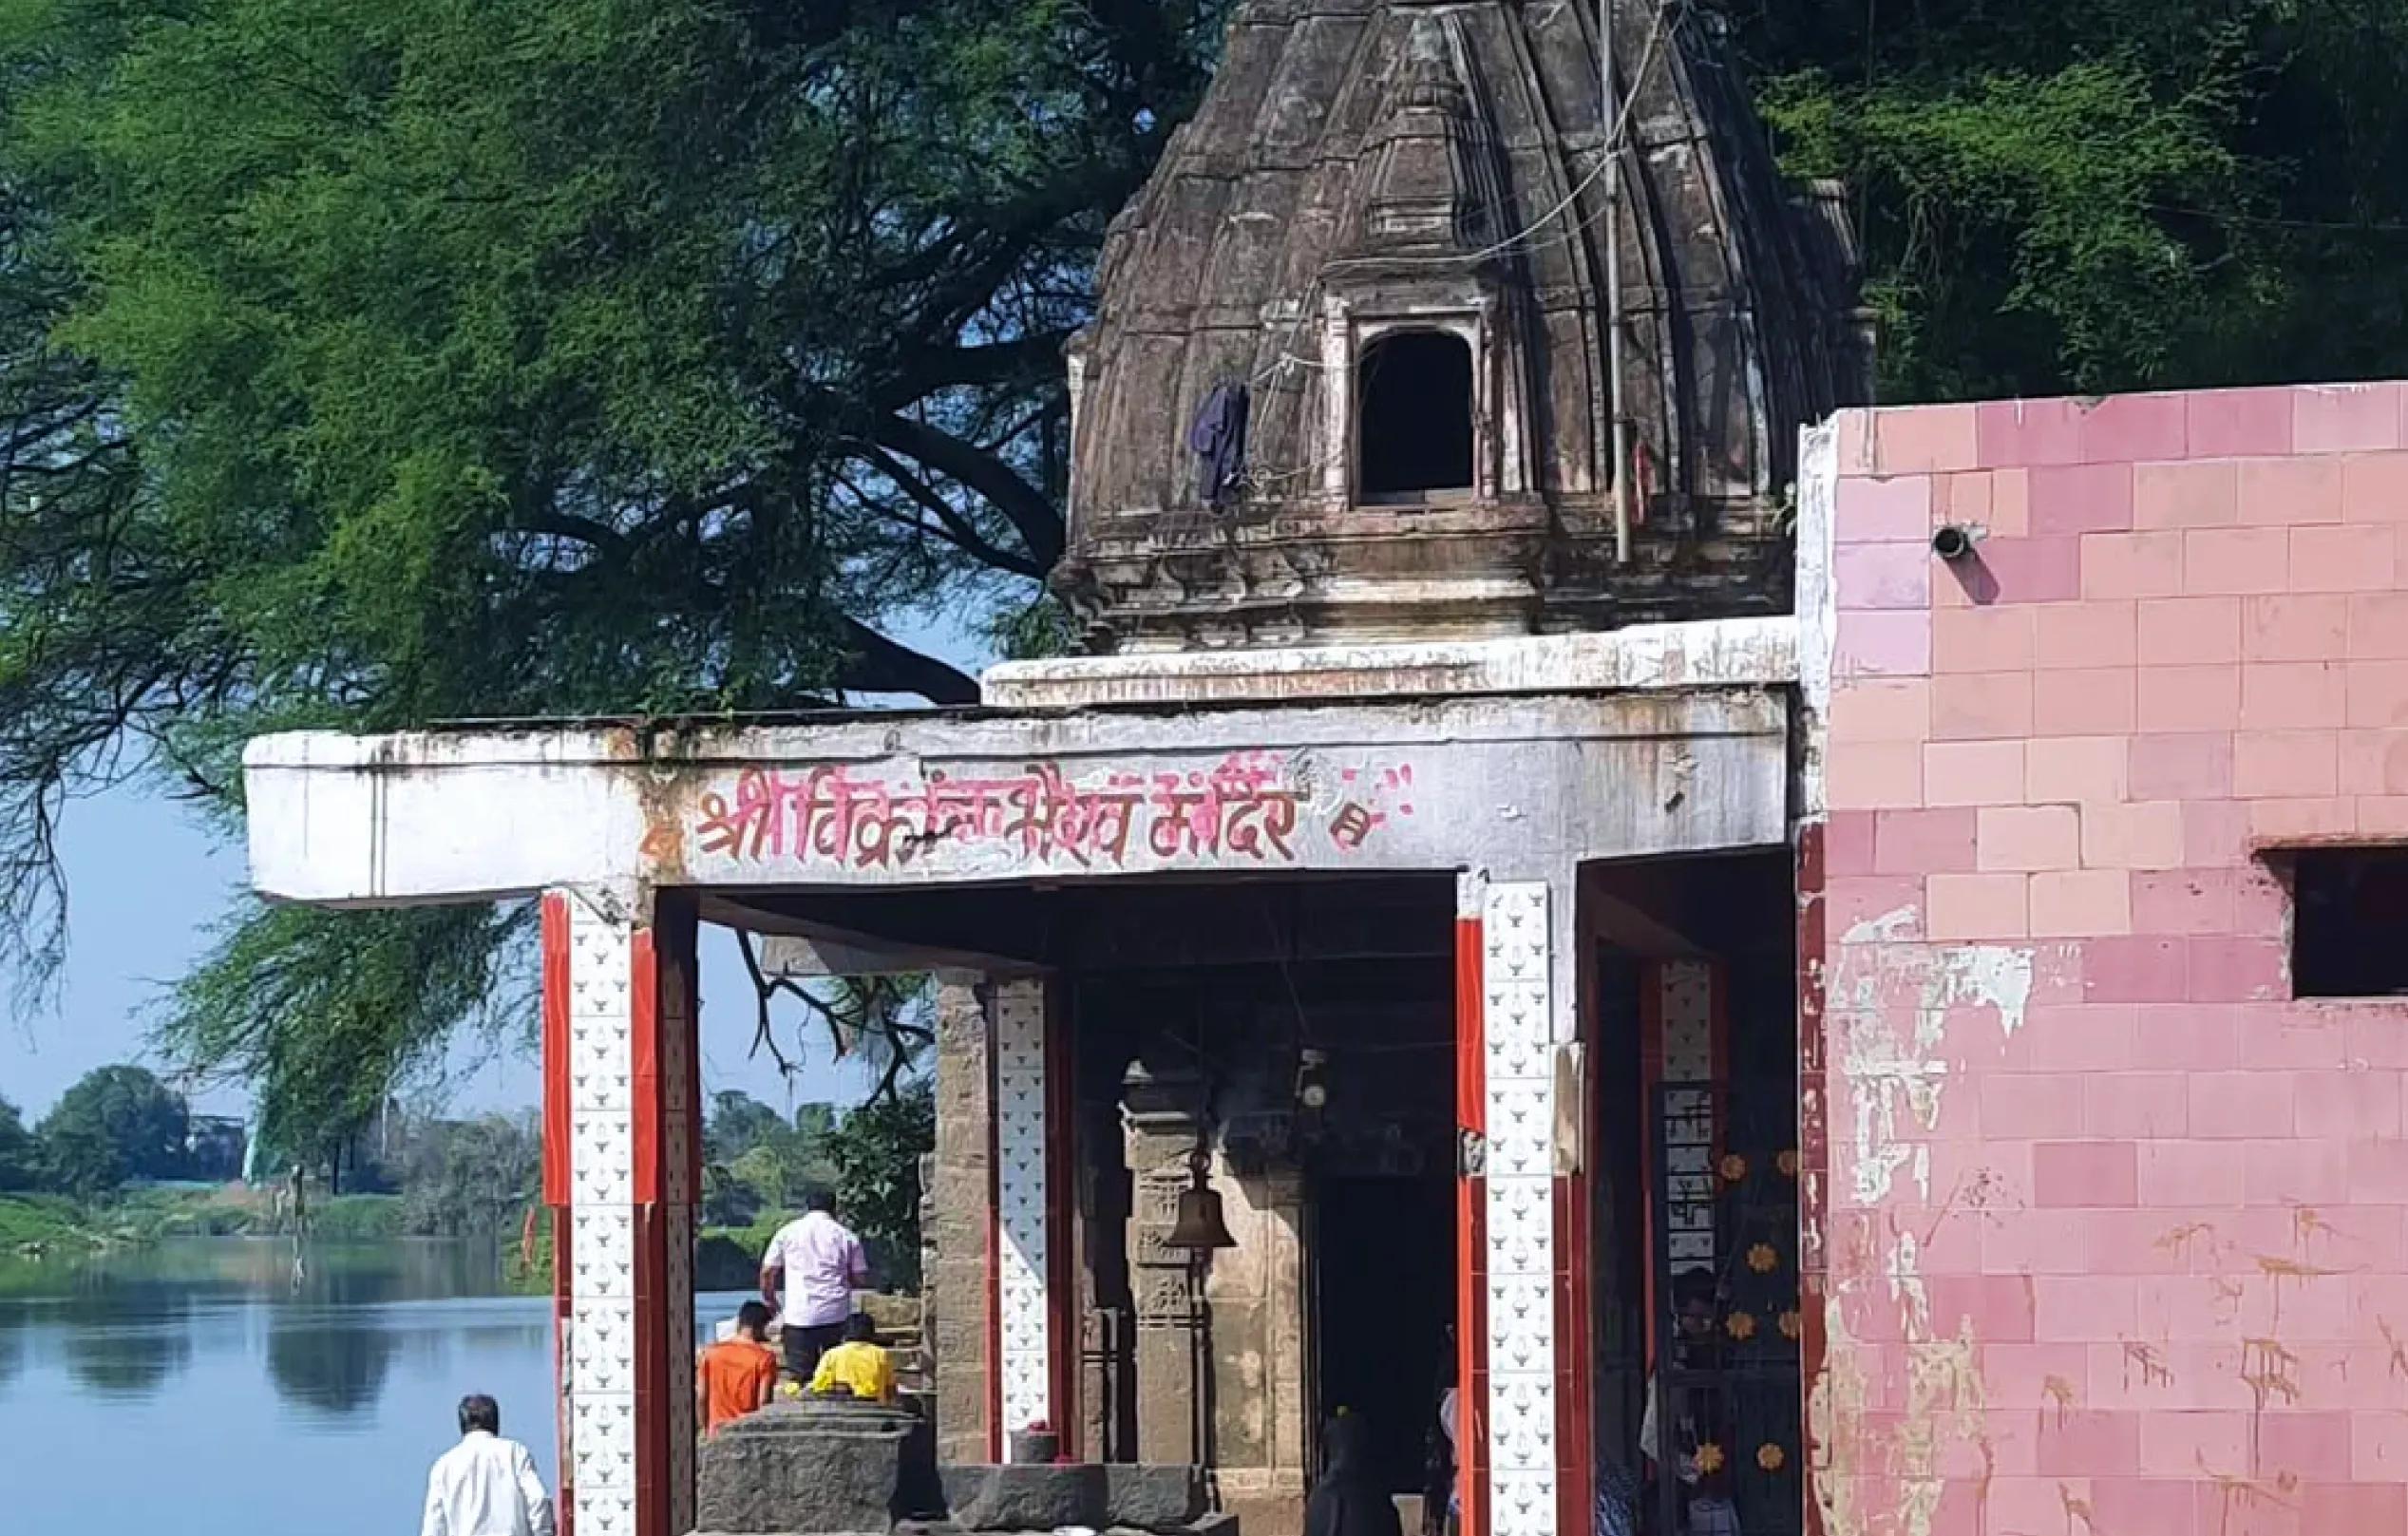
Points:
point(620, 1122)
point(999, 1314)
point(1506, 1034)
point(1254, 1327)
point(959, 1196)
point(1160, 1123)
point(1102, 1278)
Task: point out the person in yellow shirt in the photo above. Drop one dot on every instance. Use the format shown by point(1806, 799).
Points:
point(858, 1365)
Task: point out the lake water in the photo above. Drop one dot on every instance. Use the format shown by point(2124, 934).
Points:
point(199, 1389)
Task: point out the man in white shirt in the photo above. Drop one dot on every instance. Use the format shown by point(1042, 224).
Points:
point(485, 1486)
point(818, 1262)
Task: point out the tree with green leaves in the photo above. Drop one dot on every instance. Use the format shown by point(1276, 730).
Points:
point(737, 1123)
point(20, 1154)
point(114, 1123)
point(2059, 199)
point(758, 1161)
point(877, 1151)
point(363, 365)
point(473, 1178)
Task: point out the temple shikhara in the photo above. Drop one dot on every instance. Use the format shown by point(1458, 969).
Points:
point(1823, 968)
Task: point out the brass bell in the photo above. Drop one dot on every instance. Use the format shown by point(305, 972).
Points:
point(1201, 1226)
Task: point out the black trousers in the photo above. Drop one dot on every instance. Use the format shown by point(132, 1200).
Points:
point(804, 1347)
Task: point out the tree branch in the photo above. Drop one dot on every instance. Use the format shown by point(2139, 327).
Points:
point(880, 665)
point(957, 527)
point(924, 370)
point(1028, 509)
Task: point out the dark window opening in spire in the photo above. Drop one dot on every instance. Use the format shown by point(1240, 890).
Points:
point(1412, 392)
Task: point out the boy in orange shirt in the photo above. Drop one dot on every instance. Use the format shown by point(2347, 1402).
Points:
point(737, 1376)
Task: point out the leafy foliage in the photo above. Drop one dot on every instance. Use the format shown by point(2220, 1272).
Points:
point(20, 1154)
point(473, 1178)
point(760, 1164)
point(115, 1123)
point(869, 1157)
point(877, 1151)
point(324, 1010)
point(2132, 193)
point(737, 1123)
point(367, 364)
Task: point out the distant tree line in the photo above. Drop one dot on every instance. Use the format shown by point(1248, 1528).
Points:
point(121, 1125)
point(116, 1125)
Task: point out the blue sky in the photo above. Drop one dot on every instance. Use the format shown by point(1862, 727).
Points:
point(145, 884)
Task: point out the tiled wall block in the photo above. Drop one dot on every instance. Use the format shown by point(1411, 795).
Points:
point(2118, 1231)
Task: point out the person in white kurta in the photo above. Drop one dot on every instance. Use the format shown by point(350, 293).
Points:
point(485, 1486)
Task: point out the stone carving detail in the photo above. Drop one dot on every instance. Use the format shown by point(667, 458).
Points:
point(1161, 1118)
point(1020, 1138)
point(602, 1249)
point(1165, 1298)
point(1518, 1028)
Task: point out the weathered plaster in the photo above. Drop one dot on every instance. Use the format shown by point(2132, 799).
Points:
point(1526, 786)
point(1817, 616)
point(1890, 1071)
point(1722, 652)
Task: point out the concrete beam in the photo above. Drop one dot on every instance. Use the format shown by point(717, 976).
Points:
point(1519, 786)
point(1722, 652)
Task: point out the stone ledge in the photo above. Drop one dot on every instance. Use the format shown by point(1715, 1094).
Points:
point(814, 1466)
point(1094, 1496)
point(1719, 653)
point(1223, 1523)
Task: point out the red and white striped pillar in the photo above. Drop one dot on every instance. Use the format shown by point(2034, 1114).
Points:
point(1510, 1367)
point(621, 1149)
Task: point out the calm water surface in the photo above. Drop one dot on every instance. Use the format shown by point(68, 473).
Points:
point(200, 1388)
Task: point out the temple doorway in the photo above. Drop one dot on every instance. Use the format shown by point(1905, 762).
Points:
point(1384, 1265)
point(1692, 1007)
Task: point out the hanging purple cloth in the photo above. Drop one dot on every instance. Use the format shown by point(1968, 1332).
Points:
point(1218, 438)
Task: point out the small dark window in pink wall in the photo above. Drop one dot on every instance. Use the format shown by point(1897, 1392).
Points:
point(2349, 920)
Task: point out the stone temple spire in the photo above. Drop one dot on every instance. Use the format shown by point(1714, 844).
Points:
point(1379, 251)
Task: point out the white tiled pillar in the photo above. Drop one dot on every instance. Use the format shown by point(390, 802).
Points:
point(1025, 1365)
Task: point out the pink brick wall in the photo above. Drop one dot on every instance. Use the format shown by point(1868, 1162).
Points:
point(2113, 1237)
